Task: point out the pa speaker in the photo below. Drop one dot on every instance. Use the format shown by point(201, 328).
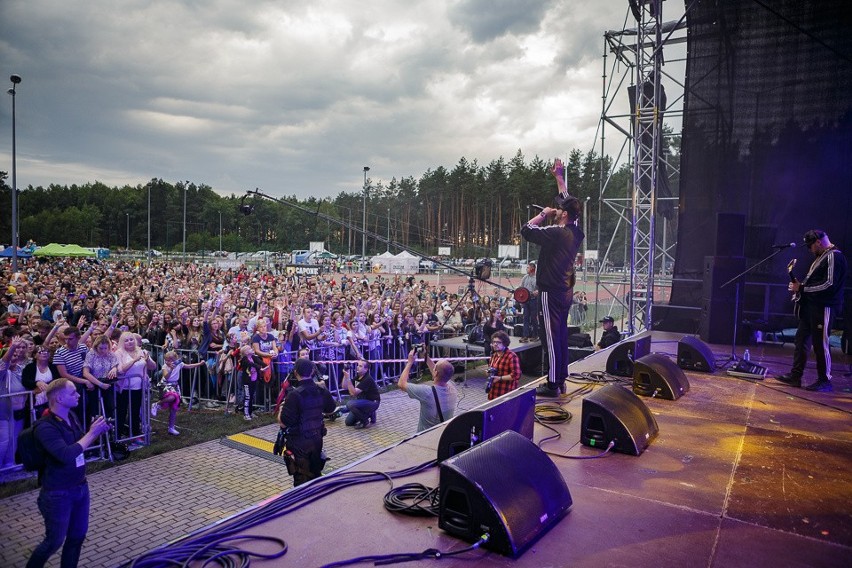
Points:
point(695, 355)
point(505, 486)
point(622, 356)
point(513, 411)
point(656, 375)
point(614, 414)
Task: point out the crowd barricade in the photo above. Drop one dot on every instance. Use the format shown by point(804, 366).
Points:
point(13, 422)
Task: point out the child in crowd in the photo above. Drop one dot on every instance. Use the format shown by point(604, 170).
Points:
point(251, 366)
point(170, 385)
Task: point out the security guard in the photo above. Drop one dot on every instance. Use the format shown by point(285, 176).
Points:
point(301, 416)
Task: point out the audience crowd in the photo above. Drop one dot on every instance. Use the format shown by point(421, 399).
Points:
point(107, 326)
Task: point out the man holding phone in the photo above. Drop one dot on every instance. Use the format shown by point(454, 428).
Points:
point(438, 400)
point(365, 395)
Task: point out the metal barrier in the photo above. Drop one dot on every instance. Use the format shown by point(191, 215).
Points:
point(12, 426)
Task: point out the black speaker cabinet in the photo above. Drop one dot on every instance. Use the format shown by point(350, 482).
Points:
point(695, 355)
point(513, 411)
point(614, 414)
point(622, 356)
point(656, 375)
point(719, 270)
point(730, 234)
point(505, 486)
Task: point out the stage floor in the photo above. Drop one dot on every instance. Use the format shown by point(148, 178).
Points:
point(743, 473)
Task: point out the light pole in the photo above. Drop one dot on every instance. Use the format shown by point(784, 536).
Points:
point(388, 243)
point(148, 250)
point(15, 80)
point(528, 242)
point(220, 233)
point(585, 232)
point(185, 187)
point(364, 220)
point(128, 231)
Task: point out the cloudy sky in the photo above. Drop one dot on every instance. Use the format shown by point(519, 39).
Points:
point(295, 97)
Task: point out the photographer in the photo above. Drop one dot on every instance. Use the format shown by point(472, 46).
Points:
point(437, 401)
point(365, 396)
point(504, 367)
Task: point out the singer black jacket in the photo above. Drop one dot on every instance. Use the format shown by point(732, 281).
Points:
point(559, 246)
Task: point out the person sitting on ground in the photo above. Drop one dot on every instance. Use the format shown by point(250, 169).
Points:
point(437, 401)
point(610, 335)
point(365, 396)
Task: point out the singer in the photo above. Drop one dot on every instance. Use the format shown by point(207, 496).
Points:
point(820, 297)
point(559, 244)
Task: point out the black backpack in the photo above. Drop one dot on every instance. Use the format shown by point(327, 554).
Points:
point(30, 452)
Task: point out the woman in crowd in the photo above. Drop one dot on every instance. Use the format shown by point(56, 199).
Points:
point(36, 376)
point(134, 364)
point(101, 369)
point(12, 408)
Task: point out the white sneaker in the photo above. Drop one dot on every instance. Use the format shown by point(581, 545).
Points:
point(174, 432)
point(247, 418)
point(155, 407)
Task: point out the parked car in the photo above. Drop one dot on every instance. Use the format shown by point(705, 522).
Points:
point(154, 253)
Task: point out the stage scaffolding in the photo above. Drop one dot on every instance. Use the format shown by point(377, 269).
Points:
point(639, 61)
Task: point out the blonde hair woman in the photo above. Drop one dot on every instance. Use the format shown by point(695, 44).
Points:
point(134, 363)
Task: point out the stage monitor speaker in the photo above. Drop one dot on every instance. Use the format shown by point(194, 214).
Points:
point(622, 356)
point(614, 414)
point(505, 486)
point(695, 355)
point(513, 411)
point(656, 375)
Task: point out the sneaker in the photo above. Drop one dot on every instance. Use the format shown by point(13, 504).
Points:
point(547, 390)
point(247, 418)
point(373, 417)
point(790, 380)
point(155, 408)
point(822, 385)
point(173, 431)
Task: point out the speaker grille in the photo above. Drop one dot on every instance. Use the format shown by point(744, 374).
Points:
point(614, 414)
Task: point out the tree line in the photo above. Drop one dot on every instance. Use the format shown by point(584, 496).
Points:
point(469, 207)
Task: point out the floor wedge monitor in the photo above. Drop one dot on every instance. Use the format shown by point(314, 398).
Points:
point(695, 355)
point(614, 414)
point(506, 487)
point(656, 375)
point(512, 411)
point(622, 356)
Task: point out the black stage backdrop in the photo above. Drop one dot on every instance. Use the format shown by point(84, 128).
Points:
point(768, 135)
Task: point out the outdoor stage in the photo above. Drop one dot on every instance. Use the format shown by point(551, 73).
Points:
point(743, 473)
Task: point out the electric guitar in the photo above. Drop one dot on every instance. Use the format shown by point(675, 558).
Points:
point(796, 295)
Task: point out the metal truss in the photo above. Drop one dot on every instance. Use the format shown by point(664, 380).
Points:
point(638, 51)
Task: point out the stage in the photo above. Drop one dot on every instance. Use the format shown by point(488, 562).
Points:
point(743, 473)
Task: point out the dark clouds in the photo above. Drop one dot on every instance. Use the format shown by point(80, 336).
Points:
point(294, 97)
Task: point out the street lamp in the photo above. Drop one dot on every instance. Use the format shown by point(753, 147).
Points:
point(148, 250)
point(15, 80)
point(128, 231)
point(364, 220)
point(388, 243)
point(185, 187)
point(220, 233)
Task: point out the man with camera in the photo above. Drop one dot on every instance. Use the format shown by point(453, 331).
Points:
point(365, 396)
point(437, 401)
point(504, 367)
point(301, 417)
point(64, 497)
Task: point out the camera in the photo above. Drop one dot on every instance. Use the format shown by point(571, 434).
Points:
point(492, 373)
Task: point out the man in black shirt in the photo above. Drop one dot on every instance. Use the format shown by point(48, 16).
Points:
point(64, 497)
point(365, 396)
point(301, 417)
point(559, 244)
point(820, 297)
point(610, 334)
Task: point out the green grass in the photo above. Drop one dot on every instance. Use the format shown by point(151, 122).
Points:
point(195, 427)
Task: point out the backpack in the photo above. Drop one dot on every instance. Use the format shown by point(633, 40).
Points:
point(29, 451)
point(476, 335)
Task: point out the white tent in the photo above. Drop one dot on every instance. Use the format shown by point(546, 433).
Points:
point(382, 262)
point(405, 263)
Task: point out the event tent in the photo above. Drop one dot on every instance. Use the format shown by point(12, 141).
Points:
point(55, 249)
point(405, 263)
point(22, 252)
point(382, 262)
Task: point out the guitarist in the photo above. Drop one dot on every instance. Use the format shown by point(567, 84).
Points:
point(820, 298)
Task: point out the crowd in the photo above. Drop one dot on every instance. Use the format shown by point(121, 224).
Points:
point(113, 328)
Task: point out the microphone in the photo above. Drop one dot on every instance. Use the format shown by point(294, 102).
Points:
point(784, 246)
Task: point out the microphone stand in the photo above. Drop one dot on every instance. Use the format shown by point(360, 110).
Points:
point(734, 357)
